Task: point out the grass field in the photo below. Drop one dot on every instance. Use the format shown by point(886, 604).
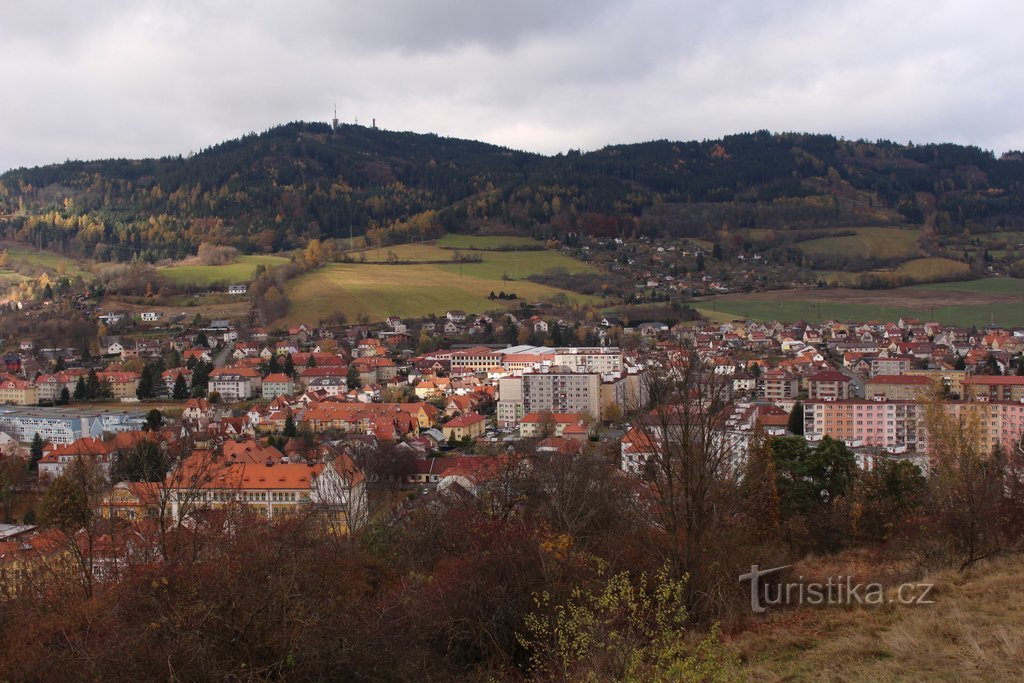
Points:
point(925, 269)
point(868, 243)
point(494, 265)
point(484, 241)
point(991, 285)
point(975, 302)
point(239, 272)
point(377, 291)
point(52, 262)
point(972, 630)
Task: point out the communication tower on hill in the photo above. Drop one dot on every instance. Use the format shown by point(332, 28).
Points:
point(334, 121)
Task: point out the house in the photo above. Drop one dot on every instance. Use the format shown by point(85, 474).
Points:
point(150, 316)
point(19, 392)
point(198, 410)
point(828, 384)
point(111, 346)
point(237, 289)
point(468, 426)
point(277, 384)
point(122, 384)
point(542, 424)
point(231, 385)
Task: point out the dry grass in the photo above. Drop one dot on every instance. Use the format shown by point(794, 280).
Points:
point(974, 631)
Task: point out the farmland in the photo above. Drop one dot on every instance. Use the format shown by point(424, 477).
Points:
point(868, 243)
point(378, 290)
point(241, 271)
point(419, 279)
point(52, 262)
point(976, 302)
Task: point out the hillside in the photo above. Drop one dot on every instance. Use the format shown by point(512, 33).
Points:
point(276, 190)
point(971, 632)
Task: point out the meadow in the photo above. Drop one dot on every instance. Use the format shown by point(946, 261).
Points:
point(239, 272)
point(54, 263)
point(973, 302)
point(377, 290)
point(868, 243)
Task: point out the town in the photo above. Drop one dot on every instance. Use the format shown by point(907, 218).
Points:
point(350, 422)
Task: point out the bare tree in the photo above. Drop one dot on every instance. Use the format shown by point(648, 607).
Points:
point(967, 478)
point(692, 464)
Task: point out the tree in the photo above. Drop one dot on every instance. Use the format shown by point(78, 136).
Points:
point(13, 473)
point(690, 465)
point(700, 261)
point(760, 488)
point(154, 420)
point(967, 480)
point(80, 388)
point(146, 461)
point(796, 419)
point(36, 451)
point(627, 629)
point(289, 426)
point(65, 505)
point(180, 392)
point(716, 252)
point(65, 396)
point(201, 340)
point(289, 366)
point(353, 379)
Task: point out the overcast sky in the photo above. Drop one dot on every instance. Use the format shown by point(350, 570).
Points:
point(85, 79)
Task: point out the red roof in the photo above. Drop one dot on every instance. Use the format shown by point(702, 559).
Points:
point(466, 420)
point(919, 380)
point(828, 376)
point(994, 379)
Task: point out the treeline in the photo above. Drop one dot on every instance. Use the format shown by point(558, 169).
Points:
point(299, 181)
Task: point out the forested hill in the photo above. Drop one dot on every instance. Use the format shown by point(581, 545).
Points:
point(302, 180)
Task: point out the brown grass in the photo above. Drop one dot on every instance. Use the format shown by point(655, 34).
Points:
point(973, 632)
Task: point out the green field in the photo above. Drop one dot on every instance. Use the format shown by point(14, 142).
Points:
point(819, 311)
point(868, 243)
point(990, 285)
point(54, 263)
point(239, 272)
point(377, 291)
point(484, 241)
point(973, 302)
point(928, 269)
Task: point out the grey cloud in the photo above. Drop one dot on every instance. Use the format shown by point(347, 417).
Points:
point(108, 78)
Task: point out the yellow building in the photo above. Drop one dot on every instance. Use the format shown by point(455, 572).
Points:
point(470, 425)
point(19, 392)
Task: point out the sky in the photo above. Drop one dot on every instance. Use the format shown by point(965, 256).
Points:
point(86, 79)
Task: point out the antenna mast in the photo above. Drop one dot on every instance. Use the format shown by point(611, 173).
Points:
point(334, 121)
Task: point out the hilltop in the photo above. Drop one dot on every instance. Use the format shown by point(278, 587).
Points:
point(276, 190)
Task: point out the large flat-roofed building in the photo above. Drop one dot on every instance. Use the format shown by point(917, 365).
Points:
point(63, 425)
point(552, 392)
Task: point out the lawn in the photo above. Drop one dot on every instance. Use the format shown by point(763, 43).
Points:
point(239, 272)
point(868, 243)
point(377, 291)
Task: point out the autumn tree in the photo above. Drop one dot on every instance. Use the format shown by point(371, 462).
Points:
point(967, 481)
point(692, 469)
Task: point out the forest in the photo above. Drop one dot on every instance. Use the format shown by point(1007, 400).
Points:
point(300, 181)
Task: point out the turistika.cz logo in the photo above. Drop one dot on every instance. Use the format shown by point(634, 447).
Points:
point(836, 590)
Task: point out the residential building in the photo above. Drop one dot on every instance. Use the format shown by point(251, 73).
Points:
point(899, 387)
point(829, 385)
point(468, 426)
point(277, 384)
